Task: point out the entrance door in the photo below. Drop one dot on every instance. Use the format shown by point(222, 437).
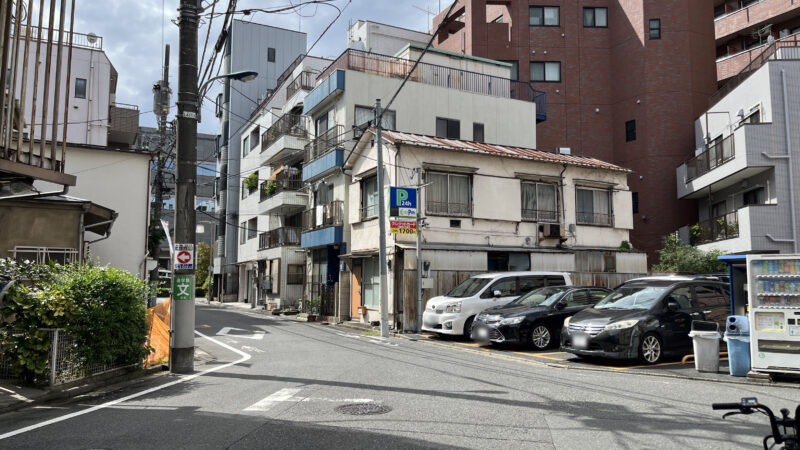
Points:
point(355, 291)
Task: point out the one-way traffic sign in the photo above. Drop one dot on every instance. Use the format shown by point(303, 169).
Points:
point(183, 257)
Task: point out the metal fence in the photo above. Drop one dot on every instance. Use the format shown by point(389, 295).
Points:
point(279, 237)
point(64, 363)
point(325, 143)
point(288, 124)
point(717, 153)
point(330, 214)
point(719, 228)
point(304, 81)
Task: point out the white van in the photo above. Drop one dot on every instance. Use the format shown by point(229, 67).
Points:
point(453, 312)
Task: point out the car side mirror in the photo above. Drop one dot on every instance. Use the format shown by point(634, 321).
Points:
point(497, 293)
point(672, 305)
point(561, 305)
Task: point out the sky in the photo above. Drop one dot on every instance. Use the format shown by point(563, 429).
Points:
point(133, 33)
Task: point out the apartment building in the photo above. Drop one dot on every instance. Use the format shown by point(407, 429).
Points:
point(268, 51)
point(624, 82)
point(744, 175)
point(486, 207)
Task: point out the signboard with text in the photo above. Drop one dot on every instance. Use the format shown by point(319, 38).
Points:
point(183, 257)
point(183, 287)
point(402, 202)
point(403, 226)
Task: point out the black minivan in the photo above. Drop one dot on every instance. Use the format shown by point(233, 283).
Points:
point(646, 319)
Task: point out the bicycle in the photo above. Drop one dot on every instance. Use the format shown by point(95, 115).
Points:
point(791, 428)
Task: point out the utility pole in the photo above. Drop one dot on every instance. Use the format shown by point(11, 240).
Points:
point(419, 251)
point(161, 100)
point(181, 355)
point(382, 227)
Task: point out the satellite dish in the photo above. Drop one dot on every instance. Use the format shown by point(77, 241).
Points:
point(91, 37)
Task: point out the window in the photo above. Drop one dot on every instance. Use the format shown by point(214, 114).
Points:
point(477, 132)
point(555, 281)
point(448, 128)
point(245, 191)
point(507, 261)
point(683, 297)
point(252, 228)
point(370, 282)
point(549, 71)
point(539, 203)
point(218, 106)
point(579, 298)
point(635, 202)
point(294, 273)
point(593, 207)
point(754, 197)
point(754, 117)
point(595, 17)
point(243, 233)
point(544, 16)
point(506, 286)
point(80, 87)
point(365, 116)
point(245, 146)
point(270, 54)
point(514, 72)
point(369, 197)
point(254, 137)
point(499, 19)
point(655, 28)
point(630, 131)
point(713, 303)
point(527, 284)
point(449, 194)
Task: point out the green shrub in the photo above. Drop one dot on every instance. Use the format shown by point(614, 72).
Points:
point(678, 257)
point(251, 181)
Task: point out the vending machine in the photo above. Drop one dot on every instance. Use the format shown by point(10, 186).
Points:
point(774, 312)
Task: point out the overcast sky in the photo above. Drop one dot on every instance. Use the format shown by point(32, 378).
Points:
point(132, 35)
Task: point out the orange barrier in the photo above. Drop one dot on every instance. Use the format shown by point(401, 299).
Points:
point(158, 332)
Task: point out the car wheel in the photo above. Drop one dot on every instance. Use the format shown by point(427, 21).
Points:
point(650, 349)
point(541, 337)
point(468, 326)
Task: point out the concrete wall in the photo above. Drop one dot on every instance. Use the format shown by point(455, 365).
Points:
point(381, 38)
point(38, 224)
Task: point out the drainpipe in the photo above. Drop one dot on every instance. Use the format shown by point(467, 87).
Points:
point(789, 157)
point(108, 234)
point(563, 212)
point(81, 230)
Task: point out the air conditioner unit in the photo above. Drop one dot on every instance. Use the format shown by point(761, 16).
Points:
point(552, 230)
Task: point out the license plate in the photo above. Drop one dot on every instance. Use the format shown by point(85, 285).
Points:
point(580, 341)
point(483, 333)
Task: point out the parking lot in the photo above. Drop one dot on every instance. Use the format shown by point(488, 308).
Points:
point(672, 366)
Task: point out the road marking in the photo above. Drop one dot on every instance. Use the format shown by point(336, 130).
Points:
point(247, 348)
point(244, 357)
point(271, 400)
point(258, 335)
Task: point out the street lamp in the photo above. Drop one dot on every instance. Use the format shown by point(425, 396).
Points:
point(244, 76)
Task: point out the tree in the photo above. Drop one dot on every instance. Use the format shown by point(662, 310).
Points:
point(203, 263)
point(679, 257)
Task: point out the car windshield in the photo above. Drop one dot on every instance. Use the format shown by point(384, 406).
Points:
point(469, 287)
point(545, 296)
point(632, 297)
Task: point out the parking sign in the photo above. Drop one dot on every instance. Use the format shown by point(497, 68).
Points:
point(402, 202)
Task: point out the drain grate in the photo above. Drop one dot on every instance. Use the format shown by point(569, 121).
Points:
point(362, 409)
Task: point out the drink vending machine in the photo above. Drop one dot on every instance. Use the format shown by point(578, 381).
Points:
point(774, 312)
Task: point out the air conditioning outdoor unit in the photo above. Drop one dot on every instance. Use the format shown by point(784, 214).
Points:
point(552, 230)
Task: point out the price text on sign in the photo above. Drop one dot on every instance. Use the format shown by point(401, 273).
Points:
point(183, 258)
point(402, 227)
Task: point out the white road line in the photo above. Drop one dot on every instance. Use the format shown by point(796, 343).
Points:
point(244, 357)
point(258, 335)
point(284, 395)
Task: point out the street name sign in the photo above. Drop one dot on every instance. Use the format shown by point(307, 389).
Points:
point(183, 257)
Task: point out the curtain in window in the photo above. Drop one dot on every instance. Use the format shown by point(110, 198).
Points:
point(552, 71)
point(436, 193)
point(601, 207)
point(600, 17)
point(546, 201)
point(550, 16)
point(585, 206)
point(363, 115)
point(537, 72)
point(535, 16)
point(458, 193)
point(588, 17)
point(369, 197)
point(529, 201)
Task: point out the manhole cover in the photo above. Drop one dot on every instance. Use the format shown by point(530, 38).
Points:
point(363, 409)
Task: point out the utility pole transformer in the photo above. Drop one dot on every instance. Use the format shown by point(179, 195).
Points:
point(181, 355)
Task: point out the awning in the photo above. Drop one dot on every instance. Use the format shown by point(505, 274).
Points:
point(360, 254)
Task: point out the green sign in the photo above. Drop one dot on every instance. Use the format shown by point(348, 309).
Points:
point(183, 287)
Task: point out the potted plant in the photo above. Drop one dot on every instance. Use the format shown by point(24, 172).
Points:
point(270, 187)
point(251, 181)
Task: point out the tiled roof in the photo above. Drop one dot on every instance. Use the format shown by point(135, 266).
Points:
point(419, 140)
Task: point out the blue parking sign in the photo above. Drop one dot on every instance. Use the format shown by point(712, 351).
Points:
point(402, 202)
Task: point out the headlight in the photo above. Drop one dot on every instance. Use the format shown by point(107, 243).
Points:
point(453, 307)
point(566, 321)
point(512, 320)
point(621, 325)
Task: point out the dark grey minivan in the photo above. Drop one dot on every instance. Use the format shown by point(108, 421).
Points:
point(646, 319)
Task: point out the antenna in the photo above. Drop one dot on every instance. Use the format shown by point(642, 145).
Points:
point(429, 13)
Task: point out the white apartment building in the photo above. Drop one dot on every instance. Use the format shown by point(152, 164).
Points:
point(486, 208)
point(746, 170)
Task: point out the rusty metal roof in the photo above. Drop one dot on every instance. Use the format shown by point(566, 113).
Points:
point(419, 140)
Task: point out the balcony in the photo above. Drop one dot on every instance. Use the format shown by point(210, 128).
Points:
point(123, 124)
point(432, 74)
point(736, 68)
point(717, 153)
point(282, 195)
point(304, 81)
point(279, 237)
point(287, 136)
point(323, 224)
point(728, 21)
point(751, 229)
point(716, 229)
point(324, 153)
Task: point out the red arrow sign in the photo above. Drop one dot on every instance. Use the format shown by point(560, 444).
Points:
point(184, 257)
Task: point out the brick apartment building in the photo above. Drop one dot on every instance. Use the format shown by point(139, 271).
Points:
point(625, 80)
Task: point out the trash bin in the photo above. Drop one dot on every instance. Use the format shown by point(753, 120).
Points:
point(705, 340)
point(737, 335)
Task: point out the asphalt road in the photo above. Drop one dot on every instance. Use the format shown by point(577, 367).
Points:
point(290, 377)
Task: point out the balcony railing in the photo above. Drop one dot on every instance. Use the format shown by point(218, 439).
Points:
point(718, 153)
point(292, 181)
point(288, 124)
point(324, 143)
point(329, 215)
point(539, 215)
point(448, 209)
point(592, 218)
point(478, 83)
point(716, 229)
point(304, 81)
point(279, 237)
